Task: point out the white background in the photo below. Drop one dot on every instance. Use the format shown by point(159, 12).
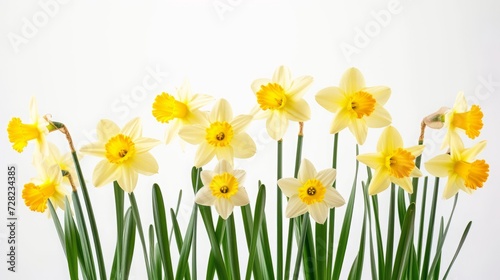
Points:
point(85, 61)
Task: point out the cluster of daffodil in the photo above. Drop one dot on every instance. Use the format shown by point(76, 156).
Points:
point(219, 134)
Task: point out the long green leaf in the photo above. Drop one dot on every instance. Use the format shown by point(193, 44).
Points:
point(358, 267)
point(186, 247)
point(248, 225)
point(119, 211)
point(152, 264)
point(220, 231)
point(220, 266)
point(401, 206)
point(233, 248)
point(378, 235)
point(390, 235)
point(259, 216)
point(305, 224)
point(460, 244)
point(178, 240)
point(430, 231)
point(346, 226)
point(279, 214)
point(405, 244)
point(129, 228)
point(160, 221)
point(137, 218)
point(422, 222)
point(71, 242)
point(179, 198)
point(331, 219)
point(57, 224)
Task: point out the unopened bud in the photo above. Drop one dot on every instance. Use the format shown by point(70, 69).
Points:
point(436, 119)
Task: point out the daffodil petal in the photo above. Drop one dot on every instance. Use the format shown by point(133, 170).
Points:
point(221, 112)
point(306, 171)
point(240, 175)
point(390, 140)
point(416, 173)
point(104, 173)
point(295, 207)
point(128, 179)
point(470, 154)
point(240, 198)
point(327, 176)
point(172, 130)
point(276, 125)
point(95, 149)
point(145, 164)
point(196, 117)
point(204, 197)
point(372, 160)
point(330, 98)
point(440, 165)
point(257, 84)
point(380, 93)
point(404, 183)
point(193, 134)
point(224, 207)
point(145, 144)
point(359, 129)
point(379, 183)
point(333, 198)
point(452, 186)
point(33, 109)
point(460, 103)
point(319, 212)
point(416, 150)
point(225, 153)
point(106, 129)
point(199, 100)
point(133, 128)
point(299, 87)
point(297, 110)
point(206, 177)
point(282, 76)
point(289, 186)
point(240, 123)
point(341, 121)
point(204, 154)
point(243, 146)
point(223, 166)
point(380, 117)
point(352, 81)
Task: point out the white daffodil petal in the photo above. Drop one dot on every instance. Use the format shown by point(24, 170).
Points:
point(240, 198)
point(297, 110)
point(204, 154)
point(240, 123)
point(282, 76)
point(204, 197)
point(206, 177)
point(295, 207)
point(33, 109)
point(145, 164)
point(306, 171)
point(224, 207)
point(95, 149)
point(330, 98)
point(127, 179)
point(144, 144)
point(333, 198)
point(299, 87)
point(380, 182)
point(223, 166)
point(359, 129)
point(199, 100)
point(240, 175)
point(319, 212)
point(193, 134)
point(221, 111)
point(460, 103)
point(106, 129)
point(104, 173)
point(243, 146)
point(133, 128)
point(225, 153)
point(352, 81)
point(257, 84)
point(276, 125)
point(289, 186)
point(440, 166)
point(327, 176)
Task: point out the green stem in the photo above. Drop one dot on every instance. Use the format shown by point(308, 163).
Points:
point(279, 214)
point(390, 235)
point(430, 231)
point(137, 217)
point(305, 225)
point(331, 220)
point(233, 248)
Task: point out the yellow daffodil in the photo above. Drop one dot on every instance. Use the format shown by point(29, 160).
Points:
point(125, 153)
point(312, 192)
point(392, 162)
point(356, 106)
point(64, 161)
point(48, 186)
point(463, 170)
point(20, 133)
point(280, 99)
point(223, 187)
point(221, 135)
point(459, 117)
point(180, 111)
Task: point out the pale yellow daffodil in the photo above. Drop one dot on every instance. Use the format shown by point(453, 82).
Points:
point(460, 117)
point(356, 106)
point(180, 111)
point(280, 100)
point(20, 133)
point(463, 170)
point(392, 162)
point(223, 187)
point(125, 152)
point(221, 135)
point(311, 192)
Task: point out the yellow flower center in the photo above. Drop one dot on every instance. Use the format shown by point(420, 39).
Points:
point(219, 134)
point(312, 192)
point(474, 174)
point(119, 149)
point(166, 108)
point(362, 104)
point(20, 133)
point(470, 121)
point(35, 197)
point(271, 96)
point(400, 163)
point(224, 185)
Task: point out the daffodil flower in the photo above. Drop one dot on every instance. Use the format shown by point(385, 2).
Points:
point(459, 117)
point(311, 192)
point(221, 135)
point(392, 162)
point(180, 111)
point(64, 161)
point(223, 187)
point(47, 186)
point(280, 100)
point(463, 170)
point(20, 133)
point(125, 153)
point(355, 105)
